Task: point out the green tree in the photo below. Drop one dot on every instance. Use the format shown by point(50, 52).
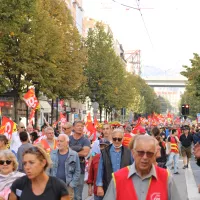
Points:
point(191, 95)
point(39, 44)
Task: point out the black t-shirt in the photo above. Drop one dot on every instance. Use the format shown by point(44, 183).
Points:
point(186, 141)
point(54, 190)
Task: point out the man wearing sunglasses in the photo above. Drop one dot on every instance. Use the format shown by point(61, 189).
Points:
point(15, 141)
point(142, 180)
point(67, 128)
point(113, 158)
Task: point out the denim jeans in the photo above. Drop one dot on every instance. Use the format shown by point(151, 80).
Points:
point(78, 190)
point(173, 157)
point(97, 197)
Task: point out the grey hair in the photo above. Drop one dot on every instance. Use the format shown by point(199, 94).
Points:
point(48, 128)
point(79, 122)
point(65, 136)
point(9, 155)
point(118, 130)
point(144, 138)
point(68, 124)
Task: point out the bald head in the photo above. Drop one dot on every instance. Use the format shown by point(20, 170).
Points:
point(63, 143)
point(63, 137)
point(29, 128)
point(148, 140)
point(20, 127)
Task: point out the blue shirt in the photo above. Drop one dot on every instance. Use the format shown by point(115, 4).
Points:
point(61, 166)
point(115, 160)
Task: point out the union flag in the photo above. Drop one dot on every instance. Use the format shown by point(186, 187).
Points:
point(7, 127)
point(31, 100)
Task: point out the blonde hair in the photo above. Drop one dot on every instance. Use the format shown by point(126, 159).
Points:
point(40, 154)
point(10, 156)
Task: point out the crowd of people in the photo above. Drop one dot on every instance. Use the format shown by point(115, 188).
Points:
point(119, 164)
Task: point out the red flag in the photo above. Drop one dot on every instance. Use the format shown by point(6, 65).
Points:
point(96, 123)
point(31, 116)
point(7, 127)
point(30, 99)
point(89, 125)
point(62, 119)
point(136, 126)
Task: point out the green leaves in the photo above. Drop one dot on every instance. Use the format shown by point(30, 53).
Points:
point(108, 82)
point(192, 93)
point(39, 43)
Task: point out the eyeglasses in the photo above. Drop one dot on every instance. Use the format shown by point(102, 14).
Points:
point(22, 127)
point(66, 128)
point(148, 153)
point(119, 139)
point(8, 162)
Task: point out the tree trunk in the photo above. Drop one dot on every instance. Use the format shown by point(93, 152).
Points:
point(57, 109)
point(16, 110)
point(52, 109)
point(106, 114)
point(100, 110)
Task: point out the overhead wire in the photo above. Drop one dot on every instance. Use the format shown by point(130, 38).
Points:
point(139, 9)
point(127, 6)
point(138, 5)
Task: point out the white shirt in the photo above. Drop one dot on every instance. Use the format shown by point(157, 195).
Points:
point(15, 142)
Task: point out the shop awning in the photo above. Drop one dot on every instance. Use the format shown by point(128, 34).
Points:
point(45, 106)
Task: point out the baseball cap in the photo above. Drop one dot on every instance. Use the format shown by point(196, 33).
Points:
point(141, 130)
point(103, 141)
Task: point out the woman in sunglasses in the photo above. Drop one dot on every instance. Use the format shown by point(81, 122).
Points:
point(8, 172)
point(37, 185)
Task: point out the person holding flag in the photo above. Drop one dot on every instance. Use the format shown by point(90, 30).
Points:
point(50, 143)
point(15, 140)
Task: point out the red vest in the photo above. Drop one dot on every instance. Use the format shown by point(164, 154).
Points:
point(126, 140)
point(174, 144)
point(125, 190)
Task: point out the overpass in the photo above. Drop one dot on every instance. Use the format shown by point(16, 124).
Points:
point(180, 81)
point(168, 88)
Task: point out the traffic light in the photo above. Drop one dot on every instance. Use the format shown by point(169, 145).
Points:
point(185, 109)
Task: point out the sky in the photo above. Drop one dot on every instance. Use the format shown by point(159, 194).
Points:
point(167, 33)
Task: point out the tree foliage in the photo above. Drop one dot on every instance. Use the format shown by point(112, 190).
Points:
point(192, 93)
point(108, 82)
point(40, 44)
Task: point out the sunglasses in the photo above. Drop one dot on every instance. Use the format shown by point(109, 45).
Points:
point(65, 128)
point(142, 153)
point(22, 127)
point(117, 139)
point(8, 162)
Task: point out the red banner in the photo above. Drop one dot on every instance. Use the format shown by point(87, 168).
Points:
point(31, 116)
point(30, 99)
point(7, 127)
point(62, 119)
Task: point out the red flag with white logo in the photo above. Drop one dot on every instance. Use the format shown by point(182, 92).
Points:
point(30, 99)
point(7, 127)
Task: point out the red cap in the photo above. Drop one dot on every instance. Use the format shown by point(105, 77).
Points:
point(141, 130)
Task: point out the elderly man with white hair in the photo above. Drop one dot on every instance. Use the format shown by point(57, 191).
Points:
point(66, 164)
point(113, 158)
point(143, 179)
point(15, 141)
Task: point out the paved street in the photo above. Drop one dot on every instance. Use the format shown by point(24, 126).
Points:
point(186, 182)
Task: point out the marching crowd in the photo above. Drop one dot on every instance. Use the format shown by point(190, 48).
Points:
point(119, 164)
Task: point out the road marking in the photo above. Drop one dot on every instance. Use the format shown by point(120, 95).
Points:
point(191, 185)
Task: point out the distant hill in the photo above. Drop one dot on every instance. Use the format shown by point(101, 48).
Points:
point(148, 71)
